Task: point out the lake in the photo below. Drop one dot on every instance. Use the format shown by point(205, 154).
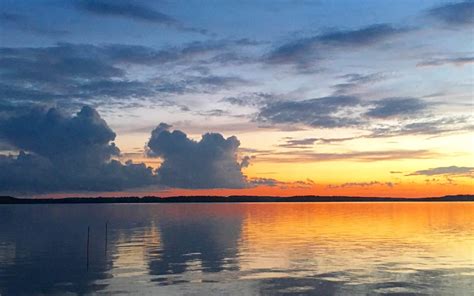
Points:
point(238, 249)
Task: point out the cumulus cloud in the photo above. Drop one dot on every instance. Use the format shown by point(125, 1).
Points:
point(446, 171)
point(64, 153)
point(208, 163)
point(454, 14)
point(60, 153)
point(391, 107)
point(326, 112)
point(302, 50)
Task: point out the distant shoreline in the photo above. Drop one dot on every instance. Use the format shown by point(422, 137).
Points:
point(227, 199)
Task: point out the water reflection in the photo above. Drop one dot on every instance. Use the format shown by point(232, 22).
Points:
point(196, 237)
point(43, 251)
point(215, 249)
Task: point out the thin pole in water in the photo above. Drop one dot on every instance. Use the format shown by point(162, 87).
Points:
point(88, 232)
point(106, 226)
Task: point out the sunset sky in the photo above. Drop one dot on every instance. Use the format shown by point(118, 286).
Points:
point(282, 97)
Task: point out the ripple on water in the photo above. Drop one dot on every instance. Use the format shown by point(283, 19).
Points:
point(255, 249)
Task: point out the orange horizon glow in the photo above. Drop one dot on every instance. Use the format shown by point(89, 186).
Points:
point(400, 190)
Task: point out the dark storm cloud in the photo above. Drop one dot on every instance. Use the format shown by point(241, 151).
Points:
point(85, 136)
point(63, 153)
point(326, 112)
point(454, 14)
point(447, 171)
point(23, 23)
point(58, 152)
point(459, 61)
point(208, 163)
point(132, 10)
point(301, 50)
point(394, 107)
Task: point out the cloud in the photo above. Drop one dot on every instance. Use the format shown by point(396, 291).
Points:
point(64, 63)
point(394, 107)
point(208, 163)
point(446, 171)
point(361, 37)
point(208, 51)
point(424, 126)
point(63, 153)
point(309, 142)
point(360, 156)
point(213, 113)
point(372, 116)
point(301, 51)
point(132, 10)
point(308, 183)
point(362, 184)
point(299, 143)
point(353, 81)
point(265, 182)
point(249, 99)
point(326, 112)
point(23, 23)
point(454, 14)
point(460, 61)
point(69, 75)
point(200, 84)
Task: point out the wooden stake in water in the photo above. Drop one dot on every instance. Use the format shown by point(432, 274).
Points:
point(106, 226)
point(88, 232)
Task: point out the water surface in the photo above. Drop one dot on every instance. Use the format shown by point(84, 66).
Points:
point(238, 249)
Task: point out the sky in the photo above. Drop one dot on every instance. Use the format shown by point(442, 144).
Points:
point(282, 97)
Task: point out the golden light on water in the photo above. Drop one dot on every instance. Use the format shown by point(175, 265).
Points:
point(336, 237)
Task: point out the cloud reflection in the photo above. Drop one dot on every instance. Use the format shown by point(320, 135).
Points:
point(256, 249)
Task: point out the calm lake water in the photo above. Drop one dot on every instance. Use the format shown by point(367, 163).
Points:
point(238, 249)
